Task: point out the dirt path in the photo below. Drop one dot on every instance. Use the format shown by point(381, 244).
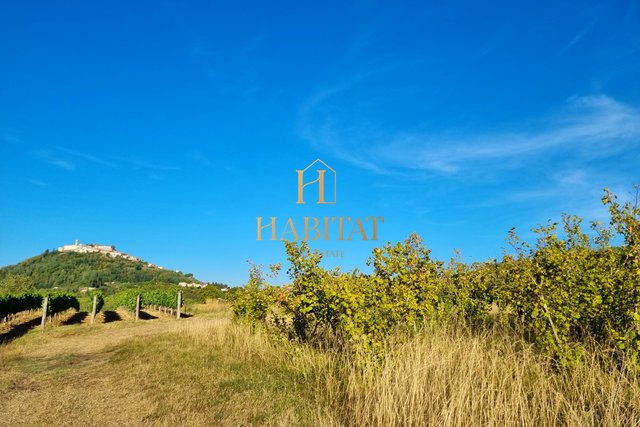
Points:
point(50, 375)
point(199, 371)
point(25, 322)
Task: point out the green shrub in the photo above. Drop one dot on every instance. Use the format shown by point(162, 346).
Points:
point(569, 289)
point(253, 302)
point(572, 288)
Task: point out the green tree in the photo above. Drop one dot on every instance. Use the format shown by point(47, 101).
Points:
point(16, 283)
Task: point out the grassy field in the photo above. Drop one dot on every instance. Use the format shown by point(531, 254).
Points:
point(208, 371)
point(197, 371)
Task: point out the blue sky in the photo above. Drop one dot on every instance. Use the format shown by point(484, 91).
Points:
point(165, 128)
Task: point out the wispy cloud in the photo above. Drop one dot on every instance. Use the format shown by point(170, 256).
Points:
point(592, 126)
point(589, 126)
point(84, 156)
point(134, 162)
point(55, 160)
point(579, 36)
point(60, 157)
point(64, 164)
point(576, 39)
point(139, 163)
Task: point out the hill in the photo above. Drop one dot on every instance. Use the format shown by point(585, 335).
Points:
point(72, 270)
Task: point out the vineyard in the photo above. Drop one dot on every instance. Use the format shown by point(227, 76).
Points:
point(23, 311)
point(567, 292)
point(148, 297)
point(61, 302)
point(99, 301)
point(12, 304)
point(57, 302)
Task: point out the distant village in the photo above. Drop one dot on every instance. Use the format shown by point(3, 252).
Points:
point(95, 248)
point(112, 252)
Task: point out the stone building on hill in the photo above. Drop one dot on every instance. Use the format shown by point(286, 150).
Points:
point(82, 248)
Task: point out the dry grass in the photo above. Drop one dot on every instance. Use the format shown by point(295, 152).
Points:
point(207, 371)
point(450, 377)
point(161, 372)
point(211, 307)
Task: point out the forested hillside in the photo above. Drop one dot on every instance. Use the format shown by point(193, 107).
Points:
point(69, 270)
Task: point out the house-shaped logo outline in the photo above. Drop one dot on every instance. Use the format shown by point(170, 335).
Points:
point(301, 184)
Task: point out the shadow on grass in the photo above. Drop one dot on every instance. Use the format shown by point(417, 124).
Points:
point(76, 319)
point(19, 330)
point(146, 316)
point(111, 316)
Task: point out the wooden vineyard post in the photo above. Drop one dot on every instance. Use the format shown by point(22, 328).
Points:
point(93, 311)
point(137, 307)
point(179, 304)
point(45, 306)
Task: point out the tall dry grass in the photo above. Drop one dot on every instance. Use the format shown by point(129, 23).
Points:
point(449, 376)
point(211, 371)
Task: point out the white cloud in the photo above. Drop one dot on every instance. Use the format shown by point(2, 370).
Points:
point(589, 126)
point(52, 159)
point(138, 163)
point(90, 157)
point(63, 164)
point(55, 157)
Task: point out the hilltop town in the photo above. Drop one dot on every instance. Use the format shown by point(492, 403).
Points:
point(96, 248)
point(111, 251)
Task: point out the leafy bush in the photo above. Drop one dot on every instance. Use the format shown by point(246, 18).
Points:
point(404, 288)
point(254, 301)
point(569, 289)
